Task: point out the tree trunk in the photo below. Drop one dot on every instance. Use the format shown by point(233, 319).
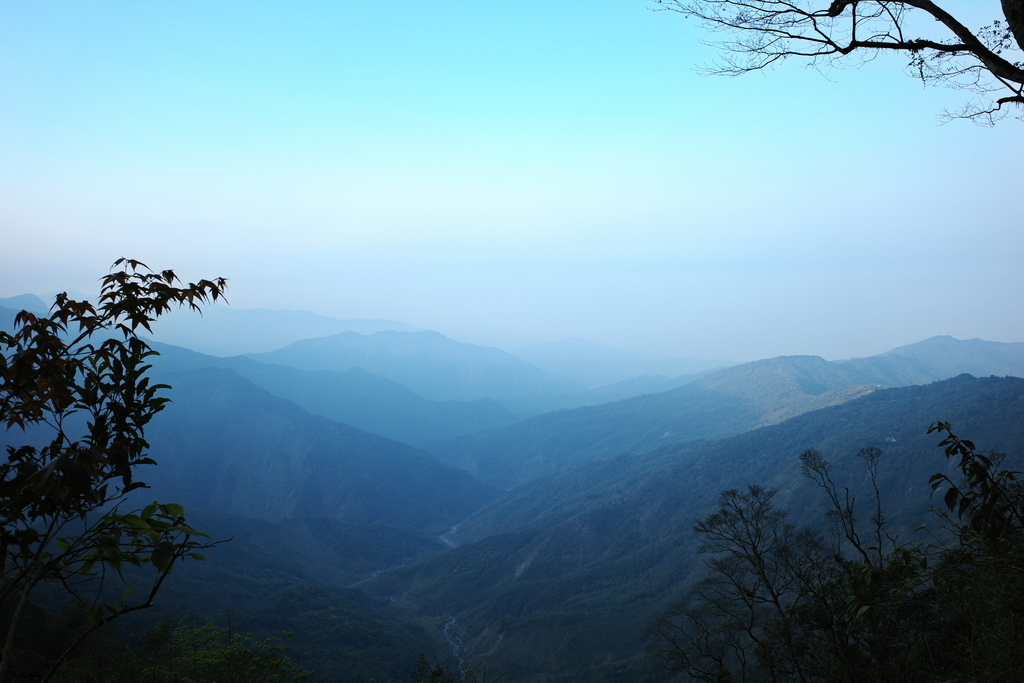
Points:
point(1013, 10)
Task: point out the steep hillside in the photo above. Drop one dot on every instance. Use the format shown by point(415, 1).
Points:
point(227, 446)
point(559, 578)
point(720, 404)
point(430, 364)
point(294, 576)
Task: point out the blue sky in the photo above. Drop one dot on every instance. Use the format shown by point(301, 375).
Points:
point(505, 173)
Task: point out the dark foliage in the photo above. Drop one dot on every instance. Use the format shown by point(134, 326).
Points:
point(74, 382)
point(781, 604)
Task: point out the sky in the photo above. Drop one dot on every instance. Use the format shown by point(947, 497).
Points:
point(505, 173)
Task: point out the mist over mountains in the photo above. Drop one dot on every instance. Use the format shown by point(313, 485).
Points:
point(430, 364)
point(567, 571)
point(225, 331)
point(597, 365)
point(228, 446)
point(354, 396)
point(393, 491)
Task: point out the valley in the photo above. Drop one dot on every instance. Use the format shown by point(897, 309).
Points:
point(388, 494)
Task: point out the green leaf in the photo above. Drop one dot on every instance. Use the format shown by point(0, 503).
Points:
point(94, 616)
point(173, 510)
point(163, 557)
point(135, 522)
point(950, 498)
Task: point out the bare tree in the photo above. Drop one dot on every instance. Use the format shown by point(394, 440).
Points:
point(736, 625)
point(786, 604)
point(941, 49)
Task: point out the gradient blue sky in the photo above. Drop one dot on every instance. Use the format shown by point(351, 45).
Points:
point(506, 173)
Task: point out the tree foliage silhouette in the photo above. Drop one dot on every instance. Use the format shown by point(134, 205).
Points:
point(74, 385)
point(782, 604)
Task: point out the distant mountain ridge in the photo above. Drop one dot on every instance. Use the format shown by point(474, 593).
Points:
point(24, 302)
point(11, 306)
point(575, 364)
point(353, 397)
point(938, 358)
point(716, 405)
point(226, 331)
point(430, 364)
point(597, 365)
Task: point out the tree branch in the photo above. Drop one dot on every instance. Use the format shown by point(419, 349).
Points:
point(768, 31)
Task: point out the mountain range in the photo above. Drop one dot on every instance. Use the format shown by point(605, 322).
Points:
point(597, 365)
point(354, 397)
point(432, 365)
point(559, 578)
point(396, 491)
point(716, 405)
point(226, 446)
point(225, 331)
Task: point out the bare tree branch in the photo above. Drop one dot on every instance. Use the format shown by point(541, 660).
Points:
point(988, 62)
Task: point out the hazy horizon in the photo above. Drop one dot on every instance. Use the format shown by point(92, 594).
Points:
point(504, 174)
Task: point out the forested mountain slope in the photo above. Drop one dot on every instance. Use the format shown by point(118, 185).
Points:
point(225, 445)
point(311, 507)
point(716, 405)
point(720, 404)
point(294, 576)
point(559, 578)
